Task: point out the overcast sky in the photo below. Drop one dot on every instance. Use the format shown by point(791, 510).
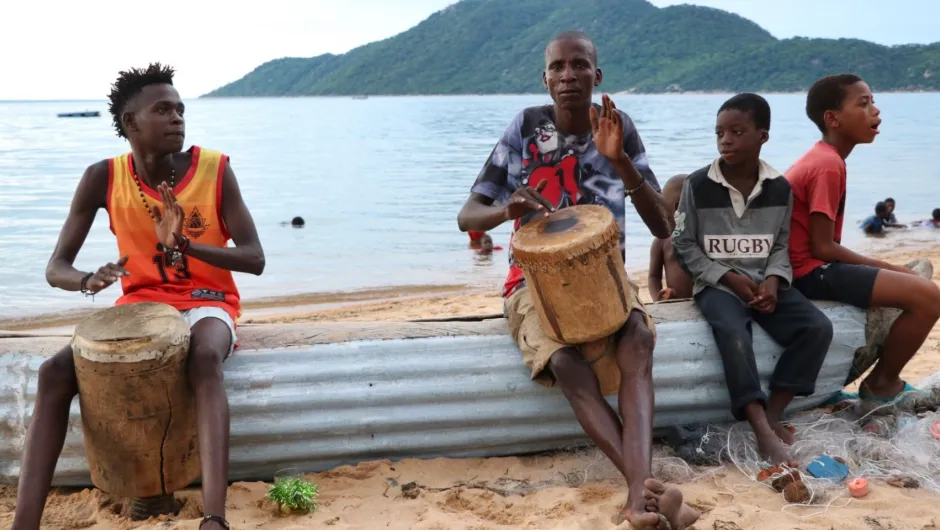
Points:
point(74, 49)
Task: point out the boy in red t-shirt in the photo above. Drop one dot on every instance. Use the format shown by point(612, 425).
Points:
point(843, 108)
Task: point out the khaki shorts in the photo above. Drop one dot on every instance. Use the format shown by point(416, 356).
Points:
point(537, 347)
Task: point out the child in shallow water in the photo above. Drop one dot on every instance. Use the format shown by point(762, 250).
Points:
point(876, 224)
point(889, 217)
point(475, 239)
point(933, 222)
point(486, 245)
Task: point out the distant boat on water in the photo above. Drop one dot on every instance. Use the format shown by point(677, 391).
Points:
point(360, 97)
point(85, 114)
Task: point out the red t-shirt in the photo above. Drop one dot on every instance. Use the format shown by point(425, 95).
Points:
point(818, 181)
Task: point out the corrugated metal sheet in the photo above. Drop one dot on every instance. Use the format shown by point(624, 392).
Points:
point(320, 406)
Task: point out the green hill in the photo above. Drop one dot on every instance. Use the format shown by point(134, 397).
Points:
point(496, 46)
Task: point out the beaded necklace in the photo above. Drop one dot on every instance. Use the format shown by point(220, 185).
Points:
point(141, 190)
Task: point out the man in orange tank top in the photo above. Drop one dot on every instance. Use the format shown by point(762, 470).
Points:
point(172, 234)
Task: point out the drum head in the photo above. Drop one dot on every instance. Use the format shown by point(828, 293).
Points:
point(566, 230)
point(118, 333)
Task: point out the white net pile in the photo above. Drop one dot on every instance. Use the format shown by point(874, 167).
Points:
point(890, 442)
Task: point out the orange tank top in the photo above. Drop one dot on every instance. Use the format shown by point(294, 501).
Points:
point(152, 278)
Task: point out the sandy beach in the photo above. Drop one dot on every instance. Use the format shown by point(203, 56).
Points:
point(572, 490)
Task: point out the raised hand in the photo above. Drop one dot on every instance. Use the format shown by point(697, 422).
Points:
point(527, 199)
point(106, 275)
point(608, 129)
point(169, 222)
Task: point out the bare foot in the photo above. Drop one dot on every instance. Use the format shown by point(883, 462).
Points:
point(641, 520)
point(635, 512)
point(667, 500)
point(772, 447)
point(782, 432)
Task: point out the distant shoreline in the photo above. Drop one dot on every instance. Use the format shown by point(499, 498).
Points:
point(620, 93)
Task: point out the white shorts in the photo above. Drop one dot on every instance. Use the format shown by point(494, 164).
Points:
point(191, 316)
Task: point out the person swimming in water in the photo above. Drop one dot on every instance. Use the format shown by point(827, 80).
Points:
point(296, 222)
point(889, 202)
point(933, 222)
point(876, 224)
point(486, 245)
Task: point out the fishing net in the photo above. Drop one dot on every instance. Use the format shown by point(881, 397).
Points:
point(892, 442)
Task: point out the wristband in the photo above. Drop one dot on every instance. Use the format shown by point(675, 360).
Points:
point(176, 255)
point(182, 243)
point(628, 193)
point(84, 286)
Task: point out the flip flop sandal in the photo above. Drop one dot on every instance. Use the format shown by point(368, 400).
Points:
point(839, 397)
point(908, 389)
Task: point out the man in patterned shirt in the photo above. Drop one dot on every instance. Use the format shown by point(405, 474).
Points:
point(568, 153)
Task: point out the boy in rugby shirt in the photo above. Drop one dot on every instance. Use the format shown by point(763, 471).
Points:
point(732, 233)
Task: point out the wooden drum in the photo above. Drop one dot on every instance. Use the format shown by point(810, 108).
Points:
point(573, 266)
point(138, 414)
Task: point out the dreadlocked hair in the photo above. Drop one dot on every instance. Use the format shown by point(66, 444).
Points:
point(130, 83)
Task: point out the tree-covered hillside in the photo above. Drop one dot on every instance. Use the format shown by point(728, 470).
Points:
point(496, 46)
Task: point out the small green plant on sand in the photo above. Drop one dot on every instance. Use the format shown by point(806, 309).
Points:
point(294, 494)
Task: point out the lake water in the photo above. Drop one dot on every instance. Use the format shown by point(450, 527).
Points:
point(380, 181)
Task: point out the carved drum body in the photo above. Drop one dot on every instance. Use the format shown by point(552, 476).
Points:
point(573, 265)
point(138, 414)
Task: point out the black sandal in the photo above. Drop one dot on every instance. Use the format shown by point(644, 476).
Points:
point(216, 518)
